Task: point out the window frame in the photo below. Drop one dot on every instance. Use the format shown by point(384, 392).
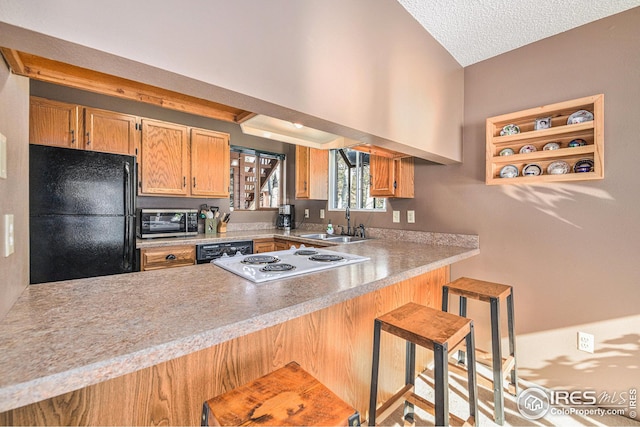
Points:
point(259, 154)
point(331, 202)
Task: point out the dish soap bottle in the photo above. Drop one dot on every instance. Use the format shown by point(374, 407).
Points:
point(329, 228)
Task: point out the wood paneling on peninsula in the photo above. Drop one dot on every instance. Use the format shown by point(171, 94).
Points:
point(333, 344)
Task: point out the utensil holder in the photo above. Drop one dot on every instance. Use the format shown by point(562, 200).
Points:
point(222, 227)
point(210, 226)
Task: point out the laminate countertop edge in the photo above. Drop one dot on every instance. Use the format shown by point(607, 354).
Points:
point(40, 387)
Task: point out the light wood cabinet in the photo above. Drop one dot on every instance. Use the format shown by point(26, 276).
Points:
point(210, 160)
point(283, 244)
point(263, 245)
point(163, 159)
point(312, 173)
point(54, 123)
point(560, 132)
point(391, 177)
point(167, 257)
point(110, 132)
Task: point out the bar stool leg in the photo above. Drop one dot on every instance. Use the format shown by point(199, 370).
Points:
point(441, 384)
point(445, 298)
point(496, 353)
point(512, 342)
point(374, 373)
point(471, 375)
point(410, 378)
point(463, 313)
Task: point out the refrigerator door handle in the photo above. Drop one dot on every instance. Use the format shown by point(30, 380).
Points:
point(126, 255)
point(128, 194)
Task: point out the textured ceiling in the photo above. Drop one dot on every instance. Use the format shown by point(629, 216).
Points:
point(474, 30)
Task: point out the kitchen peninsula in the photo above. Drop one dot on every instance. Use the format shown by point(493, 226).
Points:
point(149, 347)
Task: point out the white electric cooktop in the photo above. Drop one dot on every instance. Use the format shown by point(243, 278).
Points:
point(276, 265)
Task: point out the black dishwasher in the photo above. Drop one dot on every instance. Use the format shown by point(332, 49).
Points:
point(209, 251)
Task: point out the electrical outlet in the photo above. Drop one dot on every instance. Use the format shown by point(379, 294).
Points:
point(321, 213)
point(585, 342)
point(411, 217)
point(306, 213)
point(396, 216)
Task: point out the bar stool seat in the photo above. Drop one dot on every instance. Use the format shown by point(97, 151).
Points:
point(434, 330)
point(492, 293)
point(288, 396)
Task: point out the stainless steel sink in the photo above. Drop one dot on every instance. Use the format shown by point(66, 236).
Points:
point(346, 239)
point(318, 236)
point(333, 238)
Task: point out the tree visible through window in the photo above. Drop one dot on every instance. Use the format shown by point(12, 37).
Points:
point(349, 181)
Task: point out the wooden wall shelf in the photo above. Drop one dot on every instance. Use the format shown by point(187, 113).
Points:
point(560, 132)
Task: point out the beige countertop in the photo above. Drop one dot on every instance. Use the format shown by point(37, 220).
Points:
point(63, 336)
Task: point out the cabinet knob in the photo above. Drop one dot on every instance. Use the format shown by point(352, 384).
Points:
point(88, 138)
point(184, 181)
point(170, 257)
point(73, 136)
point(194, 182)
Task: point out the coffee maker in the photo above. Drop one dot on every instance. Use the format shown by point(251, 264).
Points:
point(286, 217)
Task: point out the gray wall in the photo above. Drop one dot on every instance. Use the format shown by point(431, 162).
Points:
point(14, 191)
point(569, 249)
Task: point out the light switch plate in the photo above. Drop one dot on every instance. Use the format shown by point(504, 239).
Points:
point(411, 217)
point(3, 156)
point(396, 216)
point(321, 213)
point(306, 213)
point(9, 239)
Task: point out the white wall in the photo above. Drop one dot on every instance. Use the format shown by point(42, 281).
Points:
point(362, 69)
point(14, 191)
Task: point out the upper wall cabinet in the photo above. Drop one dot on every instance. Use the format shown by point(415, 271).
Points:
point(558, 142)
point(72, 126)
point(164, 165)
point(210, 157)
point(391, 177)
point(54, 123)
point(110, 132)
point(172, 164)
point(312, 173)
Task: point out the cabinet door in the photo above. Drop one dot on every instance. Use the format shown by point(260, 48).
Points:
point(302, 172)
point(404, 171)
point(109, 132)
point(210, 163)
point(164, 166)
point(53, 123)
point(263, 245)
point(312, 173)
point(382, 176)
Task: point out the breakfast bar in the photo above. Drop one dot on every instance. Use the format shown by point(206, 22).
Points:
point(150, 347)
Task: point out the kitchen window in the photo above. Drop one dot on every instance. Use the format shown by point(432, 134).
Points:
point(256, 179)
point(349, 182)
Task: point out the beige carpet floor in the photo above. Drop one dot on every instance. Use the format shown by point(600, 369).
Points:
point(458, 406)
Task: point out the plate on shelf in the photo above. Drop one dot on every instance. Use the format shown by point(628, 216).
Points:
point(578, 142)
point(510, 130)
point(559, 167)
point(506, 152)
point(509, 171)
point(583, 165)
point(551, 146)
point(579, 117)
point(528, 149)
point(532, 169)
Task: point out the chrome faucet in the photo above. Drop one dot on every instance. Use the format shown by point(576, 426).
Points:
point(347, 215)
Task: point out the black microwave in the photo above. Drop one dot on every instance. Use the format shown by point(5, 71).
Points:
point(166, 223)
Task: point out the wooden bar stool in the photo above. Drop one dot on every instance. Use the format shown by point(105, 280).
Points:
point(288, 396)
point(492, 293)
point(435, 330)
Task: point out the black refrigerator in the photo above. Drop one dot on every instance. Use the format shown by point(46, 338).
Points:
point(81, 213)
